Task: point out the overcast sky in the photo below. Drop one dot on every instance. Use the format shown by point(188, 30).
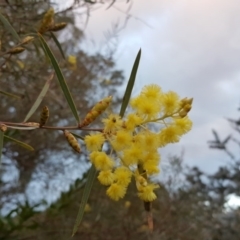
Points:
point(188, 46)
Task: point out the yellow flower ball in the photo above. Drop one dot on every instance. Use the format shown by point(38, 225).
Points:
point(106, 177)
point(147, 194)
point(94, 141)
point(103, 162)
point(116, 191)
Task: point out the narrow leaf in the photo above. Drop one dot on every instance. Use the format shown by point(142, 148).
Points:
point(130, 85)
point(1, 146)
point(86, 193)
point(35, 44)
point(22, 144)
point(60, 77)
point(58, 44)
point(39, 98)
point(9, 27)
point(10, 95)
point(77, 136)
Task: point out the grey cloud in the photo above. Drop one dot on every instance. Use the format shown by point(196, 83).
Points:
point(193, 48)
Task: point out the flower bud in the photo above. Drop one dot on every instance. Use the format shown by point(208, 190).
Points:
point(182, 102)
point(58, 27)
point(90, 117)
point(102, 105)
point(47, 21)
point(189, 101)
point(72, 141)
point(27, 39)
point(140, 182)
point(3, 127)
point(44, 116)
point(183, 113)
point(185, 101)
point(187, 107)
point(96, 111)
point(16, 50)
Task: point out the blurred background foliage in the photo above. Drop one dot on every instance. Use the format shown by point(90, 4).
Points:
point(25, 74)
point(191, 204)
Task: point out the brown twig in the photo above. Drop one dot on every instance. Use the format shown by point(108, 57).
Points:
point(51, 127)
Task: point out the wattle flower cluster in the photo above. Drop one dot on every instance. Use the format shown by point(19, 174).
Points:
point(133, 143)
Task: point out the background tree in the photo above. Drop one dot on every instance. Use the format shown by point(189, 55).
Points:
point(24, 75)
point(191, 211)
